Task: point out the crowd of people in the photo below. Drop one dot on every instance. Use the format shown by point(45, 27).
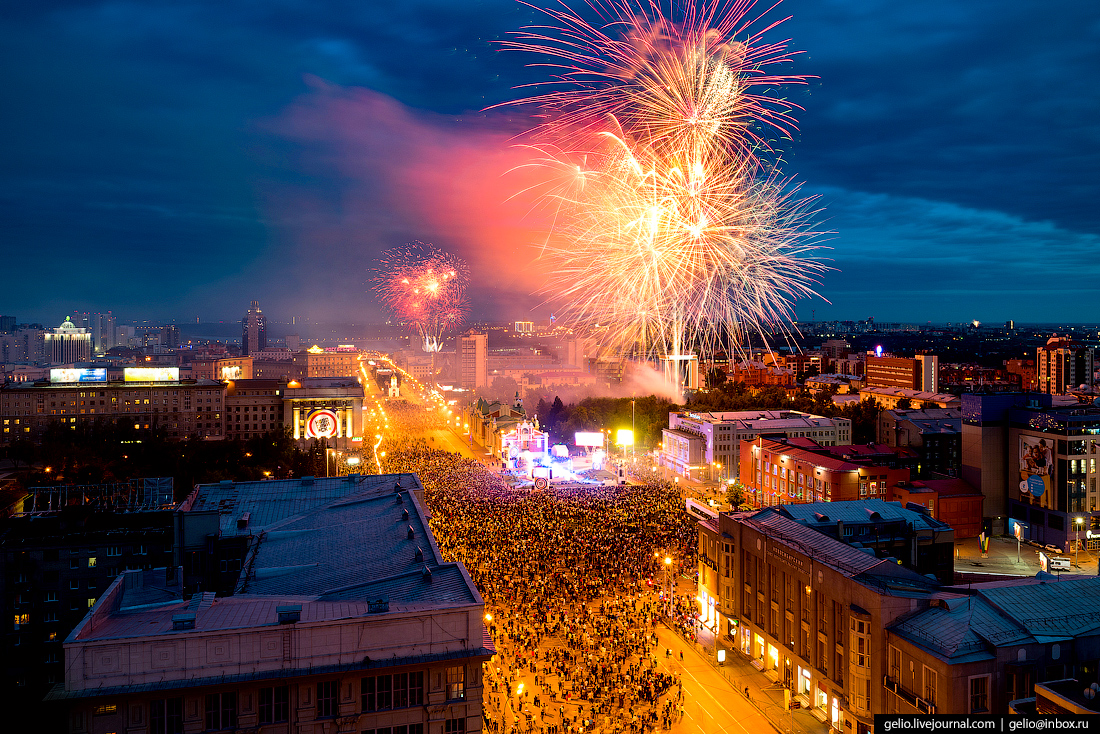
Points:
point(573, 579)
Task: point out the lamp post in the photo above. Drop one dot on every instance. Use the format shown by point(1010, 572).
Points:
point(668, 582)
point(1077, 522)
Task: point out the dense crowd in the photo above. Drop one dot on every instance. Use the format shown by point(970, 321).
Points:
point(572, 578)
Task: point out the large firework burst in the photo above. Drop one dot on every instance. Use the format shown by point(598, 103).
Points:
point(425, 288)
point(672, 224)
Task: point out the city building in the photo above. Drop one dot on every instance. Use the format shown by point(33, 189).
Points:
point(777, 472)
point(919, 373)
point(1063, 364)
point(254, 407)
point(1024, 371)
point(524, 327)
point(68, 344)
point(806, 609)
point(253, 330)
point(62, 547)
point(890, 397)
point(7, 324)
point(948, 499)
point(934, 433)
point(323, 407)
point(344, 618)
point(995, 648)
point(101, 326)
point(224, 368)
point(473, 360)
point(1036, 464)
point(340, 361)
point(709, 444)
point(153, 399)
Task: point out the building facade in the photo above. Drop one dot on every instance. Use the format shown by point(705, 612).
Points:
point(178, 408)
point(68, 344)
point(934, 433)
point(473, 360)
point(1062, 365)
point(333, 362)
point(919, 373)
point(254, 407)
point(253, 330)
point(722, 434)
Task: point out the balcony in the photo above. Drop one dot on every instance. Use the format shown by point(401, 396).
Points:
point(912, 699)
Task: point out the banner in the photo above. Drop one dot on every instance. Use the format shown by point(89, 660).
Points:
point(1036, 465)
point(68, 374)
point(151, 374)
point(321, 423)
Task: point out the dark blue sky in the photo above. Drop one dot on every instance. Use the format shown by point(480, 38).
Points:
point(169, 160)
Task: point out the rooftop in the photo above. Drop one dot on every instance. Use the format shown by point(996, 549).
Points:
point(856, 512)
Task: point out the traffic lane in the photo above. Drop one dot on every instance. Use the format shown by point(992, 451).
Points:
point(711, 704)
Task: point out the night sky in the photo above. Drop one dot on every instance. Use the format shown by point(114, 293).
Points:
point(174, 160)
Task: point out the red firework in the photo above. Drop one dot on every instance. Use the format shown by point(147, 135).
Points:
point(423, 287)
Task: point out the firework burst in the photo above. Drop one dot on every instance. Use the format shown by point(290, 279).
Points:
point(673, 226)
point(425, 288)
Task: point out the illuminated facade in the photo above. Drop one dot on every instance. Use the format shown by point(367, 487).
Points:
point(68, 343)
point(318, 362)
point(473, 360)
point(343, 396)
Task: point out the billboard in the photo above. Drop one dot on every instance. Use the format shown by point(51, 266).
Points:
point(321, 423)
point(624, 437)
point(151, 374)
point(1036, 463)
point(68, 374)
point(594, 440)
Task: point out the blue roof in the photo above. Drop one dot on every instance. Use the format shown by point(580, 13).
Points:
point(855, 512)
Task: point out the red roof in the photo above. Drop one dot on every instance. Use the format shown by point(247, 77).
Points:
point(952, 487)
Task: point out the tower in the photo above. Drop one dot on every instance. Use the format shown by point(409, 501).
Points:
point(254, 331)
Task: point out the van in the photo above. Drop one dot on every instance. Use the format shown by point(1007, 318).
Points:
point(1059, 563)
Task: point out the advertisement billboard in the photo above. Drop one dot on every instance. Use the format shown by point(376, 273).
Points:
point(1036, 463)
point(624, 437)
point(68, 374)
point(321, 423)
point(593, 440)
point(151, 374)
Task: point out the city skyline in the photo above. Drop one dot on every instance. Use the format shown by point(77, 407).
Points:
point(223, 157)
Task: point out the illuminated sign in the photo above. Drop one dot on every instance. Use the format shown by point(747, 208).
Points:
point(1036, 464)
point(589, 439)
point(94, 374)
point(151, 374)
point(321, 423)
point(624, 437)
point(231, 372)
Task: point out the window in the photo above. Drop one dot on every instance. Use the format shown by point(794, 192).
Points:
point(274, 704)
point(895, 663)
point(979, 694)
point(326, 698)
point(456, 683)
point(166, 716)
point(454, 726)
point(929, 685)
point(221, 710)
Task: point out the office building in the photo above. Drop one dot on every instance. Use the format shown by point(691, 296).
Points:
point(1062, 365)
point(150, 398)
point(473, 360)
point(223, 368)
point(254, 330)
point(7, 324)
point(254, 407)
point(346, 618)
point(919, 373)
point(708, 445)
point(68, 344)
point(934, 433)
point(340, 361)
point(891, 397)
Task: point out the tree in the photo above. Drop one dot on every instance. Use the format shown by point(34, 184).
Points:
point(735, 495)
point(904, 404)
point(715, 377)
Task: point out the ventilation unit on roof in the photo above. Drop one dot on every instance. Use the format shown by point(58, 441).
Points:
point(426, 574)
point(821, 518)
point(378, 605)
point(411, 532)
point(306, 481)
point(400, 498)
point(183, 621)
point(419, 555)
point(404, 514)
point(242, 521)
point(397, 488)
point(289, 614)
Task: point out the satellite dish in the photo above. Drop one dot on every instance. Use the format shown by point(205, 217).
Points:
point(1090, 694)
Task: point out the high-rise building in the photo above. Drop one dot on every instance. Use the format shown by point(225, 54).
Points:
point(473, 360)
point(1062, 365)
point(7, 323)
point(254, 332)
point(102, 326)
point(68, 343)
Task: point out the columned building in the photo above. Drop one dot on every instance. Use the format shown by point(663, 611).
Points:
point(68, 344)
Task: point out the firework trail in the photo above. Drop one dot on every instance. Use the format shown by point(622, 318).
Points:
point(423, 287)
point(673, 226)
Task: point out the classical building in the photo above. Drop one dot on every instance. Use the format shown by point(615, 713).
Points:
point(889, 397)
point(341, 361)
point(68, 344)
point(344, 618)
point(342, 397)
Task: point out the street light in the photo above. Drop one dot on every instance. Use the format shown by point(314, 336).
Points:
point(1077, 521)
point(668, 583)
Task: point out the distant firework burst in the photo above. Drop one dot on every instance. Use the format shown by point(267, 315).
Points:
point(423, 287)
point(673, 226)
